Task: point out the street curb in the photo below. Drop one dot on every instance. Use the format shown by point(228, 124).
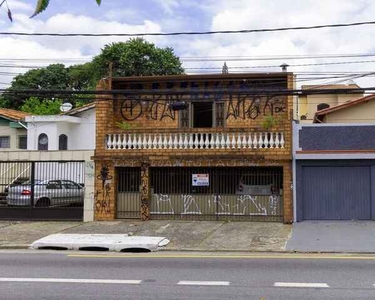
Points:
point(10, 247)
point(27, 247)
point(263, 251)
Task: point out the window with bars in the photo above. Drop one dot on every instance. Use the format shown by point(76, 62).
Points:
point(4, 141)
point(22, 142)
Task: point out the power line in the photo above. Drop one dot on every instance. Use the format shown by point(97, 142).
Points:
point(219, 68)
point(277, 66)
point(229, 90)
point(190, 32)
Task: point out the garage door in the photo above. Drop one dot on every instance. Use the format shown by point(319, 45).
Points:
point(336, 193)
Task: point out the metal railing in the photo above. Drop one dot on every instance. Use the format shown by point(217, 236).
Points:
point(195, 140)
point(44, 190)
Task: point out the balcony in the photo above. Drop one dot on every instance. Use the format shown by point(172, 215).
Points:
point(194, 140)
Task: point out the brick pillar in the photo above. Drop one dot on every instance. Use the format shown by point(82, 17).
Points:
point(288, 196)
point(105, 195)
point(145, 192)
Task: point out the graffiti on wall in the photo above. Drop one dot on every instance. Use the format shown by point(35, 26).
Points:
point(251, 107)
point(200, 162)
point(145, 207)
point(152, 109)
point(244, 106)
point(190, 205)
point(235, 205)
point(163, 204)
point(103, 195)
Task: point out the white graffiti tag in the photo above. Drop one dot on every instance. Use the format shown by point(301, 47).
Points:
point(190, 206)
point(259, 209)
point(274, 200)
point(164, 205)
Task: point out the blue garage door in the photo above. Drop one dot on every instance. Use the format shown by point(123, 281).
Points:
point(336, 193)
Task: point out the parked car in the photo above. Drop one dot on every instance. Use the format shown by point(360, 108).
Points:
point(46, 193)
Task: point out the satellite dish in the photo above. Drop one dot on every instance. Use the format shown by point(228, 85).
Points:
point(65, 107)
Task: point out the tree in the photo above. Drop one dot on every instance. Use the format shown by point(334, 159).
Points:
point(52, 77)
point(55, 77)
point(81, 77)
point(136, 57)
point(35, 106)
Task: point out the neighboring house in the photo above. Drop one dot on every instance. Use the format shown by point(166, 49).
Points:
point(361, 110)
point(13, 133)
point(73, 133)
point(224, 155)
point(74, 130)
point(309, 104)
point(334, 171)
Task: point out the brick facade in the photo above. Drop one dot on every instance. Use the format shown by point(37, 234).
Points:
point(149, 113)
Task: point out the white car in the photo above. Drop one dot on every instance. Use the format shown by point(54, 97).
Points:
point(46, 193)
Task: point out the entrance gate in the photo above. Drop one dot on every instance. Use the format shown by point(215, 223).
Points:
point(204, 193)
point(42, 190)
point(128, 193)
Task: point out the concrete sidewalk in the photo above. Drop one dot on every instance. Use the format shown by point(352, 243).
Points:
point(333, 236)
point(183, 235)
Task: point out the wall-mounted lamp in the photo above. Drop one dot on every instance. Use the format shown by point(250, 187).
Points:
point(179, 105)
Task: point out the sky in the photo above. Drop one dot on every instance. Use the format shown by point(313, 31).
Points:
point(140, 16)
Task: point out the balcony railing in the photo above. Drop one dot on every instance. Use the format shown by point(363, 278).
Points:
point(197, 140)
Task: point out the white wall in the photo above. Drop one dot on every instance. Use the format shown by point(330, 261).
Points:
point(82, 136)
point(35, 129)
point(80, 130)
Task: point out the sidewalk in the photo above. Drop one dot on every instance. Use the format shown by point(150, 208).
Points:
point(183, 235)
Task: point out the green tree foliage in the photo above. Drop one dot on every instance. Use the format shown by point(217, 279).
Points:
point(136, 57)
point(36, 106)
point(53, 77)
point(81, 77)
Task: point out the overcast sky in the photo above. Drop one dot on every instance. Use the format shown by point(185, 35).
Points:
point(134, 16)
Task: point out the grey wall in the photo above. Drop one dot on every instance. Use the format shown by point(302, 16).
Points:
point(321, 137)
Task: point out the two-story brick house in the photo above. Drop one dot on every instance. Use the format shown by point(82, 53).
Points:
point(205, 147)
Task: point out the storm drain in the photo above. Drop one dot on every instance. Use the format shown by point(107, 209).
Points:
point(100, 242)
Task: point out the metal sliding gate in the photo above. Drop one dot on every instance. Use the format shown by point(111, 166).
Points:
point(48, 190)
point(217, 193)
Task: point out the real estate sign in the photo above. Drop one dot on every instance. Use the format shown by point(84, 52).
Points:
point(200, 180)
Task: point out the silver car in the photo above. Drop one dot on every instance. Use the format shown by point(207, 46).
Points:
point(46, 193)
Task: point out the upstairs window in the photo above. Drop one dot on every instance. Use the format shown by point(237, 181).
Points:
point(203, 114)
point(43, 142)
point(22, 142)
point(63, 142)
point(4, 141)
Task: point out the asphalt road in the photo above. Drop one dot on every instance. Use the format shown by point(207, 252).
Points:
point(67, 275)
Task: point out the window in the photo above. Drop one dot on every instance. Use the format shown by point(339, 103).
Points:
point(43, 142)
point(22, 142)
point(203, 115)
point(71, 185)
point(4, 141)
point(54, 185)
point(63, 142)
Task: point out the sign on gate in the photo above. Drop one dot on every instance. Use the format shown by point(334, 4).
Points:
point(200, 180)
